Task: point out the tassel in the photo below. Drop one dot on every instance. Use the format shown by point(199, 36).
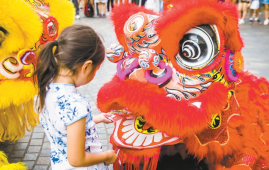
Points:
point(146, 162)
point(133, 159)
point(154, 162)
point(15, 119)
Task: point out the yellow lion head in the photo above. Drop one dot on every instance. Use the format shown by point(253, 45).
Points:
point(25, 26)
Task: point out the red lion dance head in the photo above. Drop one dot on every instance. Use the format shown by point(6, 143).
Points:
point(180, 80)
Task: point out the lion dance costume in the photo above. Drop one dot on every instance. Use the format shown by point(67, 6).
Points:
point(180, 80)
point(25, 26)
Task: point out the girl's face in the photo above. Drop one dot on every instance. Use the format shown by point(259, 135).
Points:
point(85, 73)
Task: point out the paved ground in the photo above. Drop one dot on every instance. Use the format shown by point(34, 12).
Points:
point(33, 149)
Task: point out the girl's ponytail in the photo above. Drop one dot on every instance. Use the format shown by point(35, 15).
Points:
point(75, 45)
point(47, 68)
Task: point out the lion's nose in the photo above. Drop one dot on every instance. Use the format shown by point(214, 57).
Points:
point(27, 57)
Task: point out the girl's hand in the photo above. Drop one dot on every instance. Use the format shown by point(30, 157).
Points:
point(103, 117)
point(76, 154)
point(111, 155)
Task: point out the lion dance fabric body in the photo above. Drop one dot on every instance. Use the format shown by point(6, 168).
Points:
point(25, 26)
point(181, 80)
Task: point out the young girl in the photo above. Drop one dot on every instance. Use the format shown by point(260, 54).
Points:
point(65, 115)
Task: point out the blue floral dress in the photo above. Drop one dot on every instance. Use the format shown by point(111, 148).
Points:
point(64, 106)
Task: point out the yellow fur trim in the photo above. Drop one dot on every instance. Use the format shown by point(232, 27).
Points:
point(4, 165)
point(63, 11)
point(14, 120)
point(23, 26)
point(3, 159)
point(14, 166)
point(16, 92)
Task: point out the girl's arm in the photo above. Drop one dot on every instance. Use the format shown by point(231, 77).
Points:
point(103, 117)
point(76, 154)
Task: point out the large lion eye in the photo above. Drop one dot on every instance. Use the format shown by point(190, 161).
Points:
point(199, 47)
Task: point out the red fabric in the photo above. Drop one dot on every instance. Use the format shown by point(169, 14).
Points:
point(248, 131)
point(174, 117)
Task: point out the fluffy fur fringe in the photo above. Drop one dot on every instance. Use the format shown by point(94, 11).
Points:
point(4, 165)
point(167, 115)
point(16, 92)
point(14, 120)
point(253, 98)
point(136, 159)
point(184, 15)
point(248, 131)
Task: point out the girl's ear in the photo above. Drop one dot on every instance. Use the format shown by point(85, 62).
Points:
point(87, 66)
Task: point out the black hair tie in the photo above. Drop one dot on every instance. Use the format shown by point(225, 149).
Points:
point(55, 43)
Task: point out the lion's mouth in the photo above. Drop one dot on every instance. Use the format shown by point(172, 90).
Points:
point(133, 132)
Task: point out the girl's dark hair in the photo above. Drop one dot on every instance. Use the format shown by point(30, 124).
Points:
point(75, 45)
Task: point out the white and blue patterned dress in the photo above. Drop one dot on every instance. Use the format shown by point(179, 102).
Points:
point(64, 106)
